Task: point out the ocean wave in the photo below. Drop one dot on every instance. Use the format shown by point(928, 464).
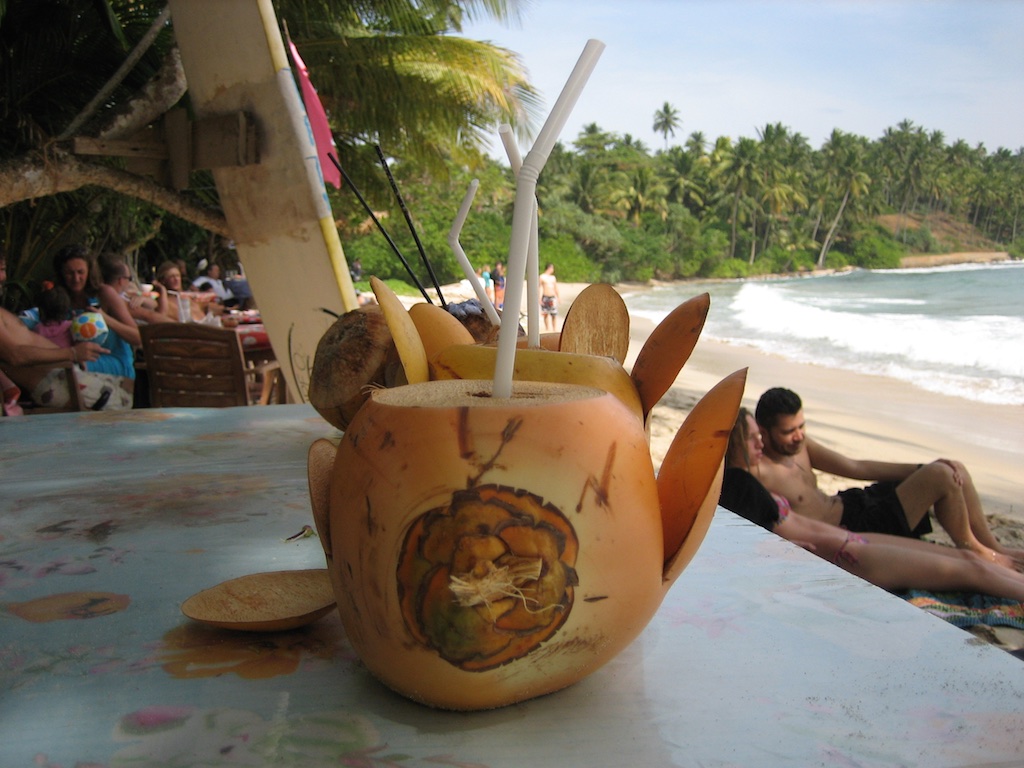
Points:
point(950, 333)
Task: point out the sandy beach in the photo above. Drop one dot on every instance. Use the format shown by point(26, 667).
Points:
point(862, 416)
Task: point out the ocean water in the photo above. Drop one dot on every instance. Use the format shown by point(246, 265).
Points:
point(954, 330)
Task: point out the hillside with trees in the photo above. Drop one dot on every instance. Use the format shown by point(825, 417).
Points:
point(612, 209)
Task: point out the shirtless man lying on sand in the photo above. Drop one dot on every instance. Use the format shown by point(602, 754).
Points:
point(30, 359)
point(897, 503)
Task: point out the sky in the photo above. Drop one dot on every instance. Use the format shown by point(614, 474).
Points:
point(730, 67)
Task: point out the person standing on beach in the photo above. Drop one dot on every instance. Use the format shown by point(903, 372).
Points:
point(485, 275)
point(897, 503)
point(499, 286)
point(549, 297)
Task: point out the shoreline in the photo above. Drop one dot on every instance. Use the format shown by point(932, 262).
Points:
point(920, 261)
point(861, 415)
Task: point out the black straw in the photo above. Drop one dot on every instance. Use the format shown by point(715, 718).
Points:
point(408, 221)
point(380, 226)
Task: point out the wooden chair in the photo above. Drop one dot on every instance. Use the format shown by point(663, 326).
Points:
point(200, 366)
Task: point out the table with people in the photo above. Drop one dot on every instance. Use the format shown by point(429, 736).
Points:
point(83, 332)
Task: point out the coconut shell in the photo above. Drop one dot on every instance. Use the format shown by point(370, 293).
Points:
point(351, 358)
point(486, 550)
point(264, 602)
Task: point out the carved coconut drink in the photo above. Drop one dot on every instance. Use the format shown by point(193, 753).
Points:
point(494, 539)
point(488, 550)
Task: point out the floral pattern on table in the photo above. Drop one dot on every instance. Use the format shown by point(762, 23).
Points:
point(192, 651)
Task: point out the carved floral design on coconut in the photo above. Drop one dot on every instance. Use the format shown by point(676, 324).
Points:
point(487, 549)
point(488, 578)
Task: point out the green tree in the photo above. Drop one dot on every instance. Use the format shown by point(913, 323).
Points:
point(782, 164)
point(737, 167)
point(684, 178)
point(640, 192)
point(666, 120)
point(843, 168)
point(697, 145)
point(390, 72)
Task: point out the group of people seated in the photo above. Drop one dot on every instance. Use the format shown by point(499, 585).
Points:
point(88, 317)
point(873, 532)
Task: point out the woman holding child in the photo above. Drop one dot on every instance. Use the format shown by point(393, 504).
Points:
point(76, 271)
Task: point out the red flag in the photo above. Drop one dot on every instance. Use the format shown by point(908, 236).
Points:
point(317, 121)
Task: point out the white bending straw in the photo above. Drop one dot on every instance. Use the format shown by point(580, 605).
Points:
point(460, 255)
point(511, 148)
point(522, 212)
point(532, 254)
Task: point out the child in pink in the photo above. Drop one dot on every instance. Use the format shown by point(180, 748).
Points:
point(54, 316)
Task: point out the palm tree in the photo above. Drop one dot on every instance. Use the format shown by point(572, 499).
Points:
point(666, 120)
point(590, 189)
point(640, 192)
point(697, 144)
point(844, 167)
point(389, 72)
point(683, 178)
point(738, 167)
point(592, 141)
point(395, 73)
point(777, 180)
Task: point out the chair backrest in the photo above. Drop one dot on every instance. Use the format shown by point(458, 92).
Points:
point(194, 366)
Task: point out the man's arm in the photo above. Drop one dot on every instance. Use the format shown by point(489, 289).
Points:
point(141, 311)
point(834, 463)
point(20, 355)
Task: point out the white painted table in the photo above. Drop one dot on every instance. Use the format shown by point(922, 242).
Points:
point(762, 655)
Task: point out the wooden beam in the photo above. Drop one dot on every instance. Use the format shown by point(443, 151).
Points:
point(147, 148)
point(178, 132)
point(220, 141)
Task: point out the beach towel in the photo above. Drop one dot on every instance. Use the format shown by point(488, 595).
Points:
point(966, 610)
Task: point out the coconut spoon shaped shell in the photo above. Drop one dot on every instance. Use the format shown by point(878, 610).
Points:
point(264, 602)
point(690, 477)
point(667, 349)
point(597, 323)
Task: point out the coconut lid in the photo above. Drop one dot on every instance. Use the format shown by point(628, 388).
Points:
point(264, 602)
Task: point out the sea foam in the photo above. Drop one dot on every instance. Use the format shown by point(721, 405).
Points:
point(955, 331)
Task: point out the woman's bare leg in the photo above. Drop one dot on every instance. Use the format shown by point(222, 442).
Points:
point(894, 567)
point(896, 562)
